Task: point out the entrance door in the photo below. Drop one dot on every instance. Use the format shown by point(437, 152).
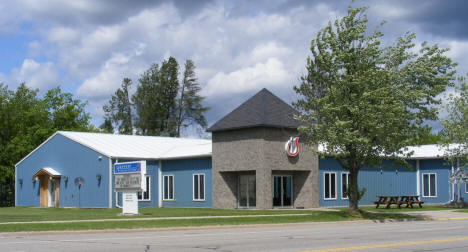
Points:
point(282, 191)
point(49, 190)
point(247, 191)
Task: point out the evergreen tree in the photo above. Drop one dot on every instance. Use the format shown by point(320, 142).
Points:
point(119, 110)
point(190, 109)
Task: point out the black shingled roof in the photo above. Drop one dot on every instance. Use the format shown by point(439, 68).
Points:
point(262, 110)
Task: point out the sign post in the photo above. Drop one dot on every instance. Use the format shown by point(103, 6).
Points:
point(129, 179)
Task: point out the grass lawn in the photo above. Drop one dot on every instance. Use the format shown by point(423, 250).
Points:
point(465, 210)
point(29, 214)
point(394, 209)
point(17, 214)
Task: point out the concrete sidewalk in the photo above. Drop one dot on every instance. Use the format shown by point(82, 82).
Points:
point(440, 215)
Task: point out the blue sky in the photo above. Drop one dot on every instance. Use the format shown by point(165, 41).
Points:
point(87, 47)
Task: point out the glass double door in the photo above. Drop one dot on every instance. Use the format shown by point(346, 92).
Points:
point(282, 191)
point(247, 191)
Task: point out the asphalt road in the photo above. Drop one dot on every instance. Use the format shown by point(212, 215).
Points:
point(449, 235)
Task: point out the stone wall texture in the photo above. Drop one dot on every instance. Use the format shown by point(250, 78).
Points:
point(261, 151)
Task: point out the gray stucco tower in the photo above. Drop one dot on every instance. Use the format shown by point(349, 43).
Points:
point(250, 166)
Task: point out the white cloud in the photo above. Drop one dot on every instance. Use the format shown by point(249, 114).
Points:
point(269, 74)
point(41, 75)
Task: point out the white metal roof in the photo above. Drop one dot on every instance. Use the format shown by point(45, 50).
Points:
point(141, 147)
point(49, 171)
point(428, 151)
point(137, 147)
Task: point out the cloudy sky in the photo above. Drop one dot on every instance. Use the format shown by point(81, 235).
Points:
point(239, 47)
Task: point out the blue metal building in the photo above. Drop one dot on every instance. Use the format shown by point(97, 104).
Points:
point(75, 169)
point(428, 178)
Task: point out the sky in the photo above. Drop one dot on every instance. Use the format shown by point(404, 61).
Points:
point(239, 47)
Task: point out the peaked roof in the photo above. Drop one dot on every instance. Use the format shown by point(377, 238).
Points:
point(137, 147)
point(263, 109)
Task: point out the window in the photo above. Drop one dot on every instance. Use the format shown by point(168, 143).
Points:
point(344, 184)
point(145, 196)
point(466, 189)
point(199, 187)
point(429, 185)
point(168, 192)
point(329, 185)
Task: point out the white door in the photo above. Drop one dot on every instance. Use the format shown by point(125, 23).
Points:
point(51, 193)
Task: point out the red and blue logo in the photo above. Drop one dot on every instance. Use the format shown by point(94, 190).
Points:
point(292, 146)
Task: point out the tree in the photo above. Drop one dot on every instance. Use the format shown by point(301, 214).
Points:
point(190, 109)
point(119, 109)
point(27, 121)
point(364, 102)
point(163, 106)
point(455, 126)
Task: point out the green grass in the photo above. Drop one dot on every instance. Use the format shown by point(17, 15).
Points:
point(17, 214)
point(312, 216)
point(463, 210)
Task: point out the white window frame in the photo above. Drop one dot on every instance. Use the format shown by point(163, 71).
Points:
point(324, 175)
point(429, 183)
point(164, 188)
point(347, 185)
point(148, 187)
point(193, 186)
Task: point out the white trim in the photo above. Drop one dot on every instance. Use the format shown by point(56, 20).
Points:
point(429, 183)
point(160, 186)
point(164, 188)
point(193, 187)
point(110, 184)
point(16, 188)
point(329, 186)
point(347, 184)
point(418, 178)
point(148, 186)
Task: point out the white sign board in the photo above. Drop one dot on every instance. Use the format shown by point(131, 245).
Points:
point(128, 179)
point(129, 202)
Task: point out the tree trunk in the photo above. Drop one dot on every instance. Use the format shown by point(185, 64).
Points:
point(353, 189)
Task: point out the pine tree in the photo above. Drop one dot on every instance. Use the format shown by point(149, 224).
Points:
point(190, 109)
point(119, 109)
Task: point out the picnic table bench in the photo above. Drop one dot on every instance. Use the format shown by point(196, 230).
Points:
point(409, 200)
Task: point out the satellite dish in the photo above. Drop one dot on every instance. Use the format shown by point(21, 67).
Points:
point(79, 181)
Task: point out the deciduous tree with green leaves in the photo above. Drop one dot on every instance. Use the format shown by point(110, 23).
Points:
point(455, 126)
point(364, 102)
point(27, 121)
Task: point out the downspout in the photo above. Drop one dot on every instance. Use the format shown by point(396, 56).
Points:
point(459, 184)
point(453, 185)
point(160, 183)
point(110, 182)
point(116, 193)
point(418, 179)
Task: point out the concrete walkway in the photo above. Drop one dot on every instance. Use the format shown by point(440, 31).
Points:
point(440, 215)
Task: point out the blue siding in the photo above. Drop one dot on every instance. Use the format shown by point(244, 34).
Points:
point(384, 181)
point(442, 171)
point(183, 171)
point(70, 159)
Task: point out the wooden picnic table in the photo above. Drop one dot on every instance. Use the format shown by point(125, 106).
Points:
point(409, 200)
point(387, 201)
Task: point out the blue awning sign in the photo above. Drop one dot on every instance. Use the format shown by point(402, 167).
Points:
point(134, 167)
